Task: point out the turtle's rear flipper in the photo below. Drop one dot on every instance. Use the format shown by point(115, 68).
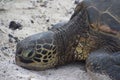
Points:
point(104, 63)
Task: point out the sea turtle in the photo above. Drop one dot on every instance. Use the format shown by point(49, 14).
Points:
point(91, 35)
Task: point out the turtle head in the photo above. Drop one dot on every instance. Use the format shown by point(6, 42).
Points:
point(37, 52)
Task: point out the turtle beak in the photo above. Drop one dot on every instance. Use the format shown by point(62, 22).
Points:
point(21, 59)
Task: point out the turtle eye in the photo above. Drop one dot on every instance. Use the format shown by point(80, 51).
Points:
point(30, 54)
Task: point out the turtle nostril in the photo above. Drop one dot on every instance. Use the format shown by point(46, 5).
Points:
point(19, 51)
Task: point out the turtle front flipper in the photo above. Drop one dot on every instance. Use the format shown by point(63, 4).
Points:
point(104, 63)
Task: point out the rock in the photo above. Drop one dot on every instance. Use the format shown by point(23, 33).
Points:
point(3, 48)
point(14, 25)
point(47, 19)
point(44, 4)
point(32, 21)
point(13, 39)
point(76, 1)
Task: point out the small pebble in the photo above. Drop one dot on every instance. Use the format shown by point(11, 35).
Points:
point(17, 69)
point(32, 21)
point(47, 20)
point(12, 38)
point(44, 4)
point(4, 71)
point(76, 1)
point(2, 9)
point(3, 48)
point(50, 74)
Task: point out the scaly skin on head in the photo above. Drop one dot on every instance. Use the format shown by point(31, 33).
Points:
point(52, 48)
point(37, 52)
